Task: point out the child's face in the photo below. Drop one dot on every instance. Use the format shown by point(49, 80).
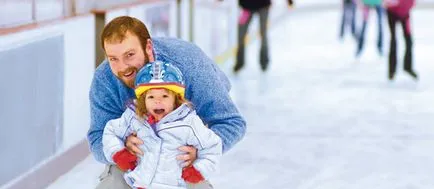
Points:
point(160, 102)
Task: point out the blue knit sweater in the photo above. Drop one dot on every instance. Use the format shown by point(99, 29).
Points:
point(206, 87)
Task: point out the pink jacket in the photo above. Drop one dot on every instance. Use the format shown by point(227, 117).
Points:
point(402, 8)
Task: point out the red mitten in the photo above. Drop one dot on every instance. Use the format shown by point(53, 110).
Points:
point(192, 175)
point(125, 160)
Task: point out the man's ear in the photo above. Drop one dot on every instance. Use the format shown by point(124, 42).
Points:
point(149, 50)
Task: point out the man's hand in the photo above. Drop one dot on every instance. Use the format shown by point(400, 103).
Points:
point(132, 143)
point(189, 157)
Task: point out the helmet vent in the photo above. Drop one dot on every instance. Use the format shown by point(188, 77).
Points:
point(157, 71)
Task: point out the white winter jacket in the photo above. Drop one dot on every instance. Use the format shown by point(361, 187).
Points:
point(158, 167)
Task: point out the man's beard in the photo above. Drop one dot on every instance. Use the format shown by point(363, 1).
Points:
point(129, 83)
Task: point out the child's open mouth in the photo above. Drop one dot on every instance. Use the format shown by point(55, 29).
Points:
point(159, 111)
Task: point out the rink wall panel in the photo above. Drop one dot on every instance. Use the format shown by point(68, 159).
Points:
point(48, 70)
point(159, 17)
point(31, 104)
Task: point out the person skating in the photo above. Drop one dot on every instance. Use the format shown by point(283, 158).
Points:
point(398, 11)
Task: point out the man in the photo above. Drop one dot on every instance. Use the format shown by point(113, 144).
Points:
point(128, 47)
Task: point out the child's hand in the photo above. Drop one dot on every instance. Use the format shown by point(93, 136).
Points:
point(191, 175)
point(125, 160)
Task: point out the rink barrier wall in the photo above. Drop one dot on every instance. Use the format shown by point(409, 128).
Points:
point(67, 108)
point(52, 168)
point(22, 100)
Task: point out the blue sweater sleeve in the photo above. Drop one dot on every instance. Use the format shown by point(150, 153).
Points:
point(107, 102)
point(214, 105)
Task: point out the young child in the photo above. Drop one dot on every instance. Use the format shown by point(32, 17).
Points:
point(164, 120)
point(399, 11)
point(366, 5)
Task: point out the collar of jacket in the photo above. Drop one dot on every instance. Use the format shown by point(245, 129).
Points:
point(176, 115)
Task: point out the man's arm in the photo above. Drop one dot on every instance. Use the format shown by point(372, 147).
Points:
point(208, 90)
point(102, 109)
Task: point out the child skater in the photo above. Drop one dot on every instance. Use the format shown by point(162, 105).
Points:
point(366, 5)
point(164, 120)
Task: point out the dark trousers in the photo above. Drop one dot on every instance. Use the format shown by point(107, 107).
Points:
point(348, 17)
point(379, 11)
point(242, 31)
point(405, 23)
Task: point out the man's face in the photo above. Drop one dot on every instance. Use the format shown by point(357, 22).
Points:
point(126, 58)
point(159, 102)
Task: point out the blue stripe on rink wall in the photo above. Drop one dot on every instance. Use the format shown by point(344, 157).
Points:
point(31, 105)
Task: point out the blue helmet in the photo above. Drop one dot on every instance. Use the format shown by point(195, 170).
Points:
point(159, 75)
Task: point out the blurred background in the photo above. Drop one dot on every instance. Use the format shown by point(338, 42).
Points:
point(321, 116)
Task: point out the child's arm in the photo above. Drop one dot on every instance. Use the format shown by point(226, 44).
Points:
point(209, 150)
point(114, 135)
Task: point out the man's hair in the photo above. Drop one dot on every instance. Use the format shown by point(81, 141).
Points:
point(141, 104)
point(116, 30)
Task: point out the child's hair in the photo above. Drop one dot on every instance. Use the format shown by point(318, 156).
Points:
point(141, 103)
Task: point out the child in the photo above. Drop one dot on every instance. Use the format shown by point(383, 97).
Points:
point(164, 120)
point(399, 11)
point(366, 6)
